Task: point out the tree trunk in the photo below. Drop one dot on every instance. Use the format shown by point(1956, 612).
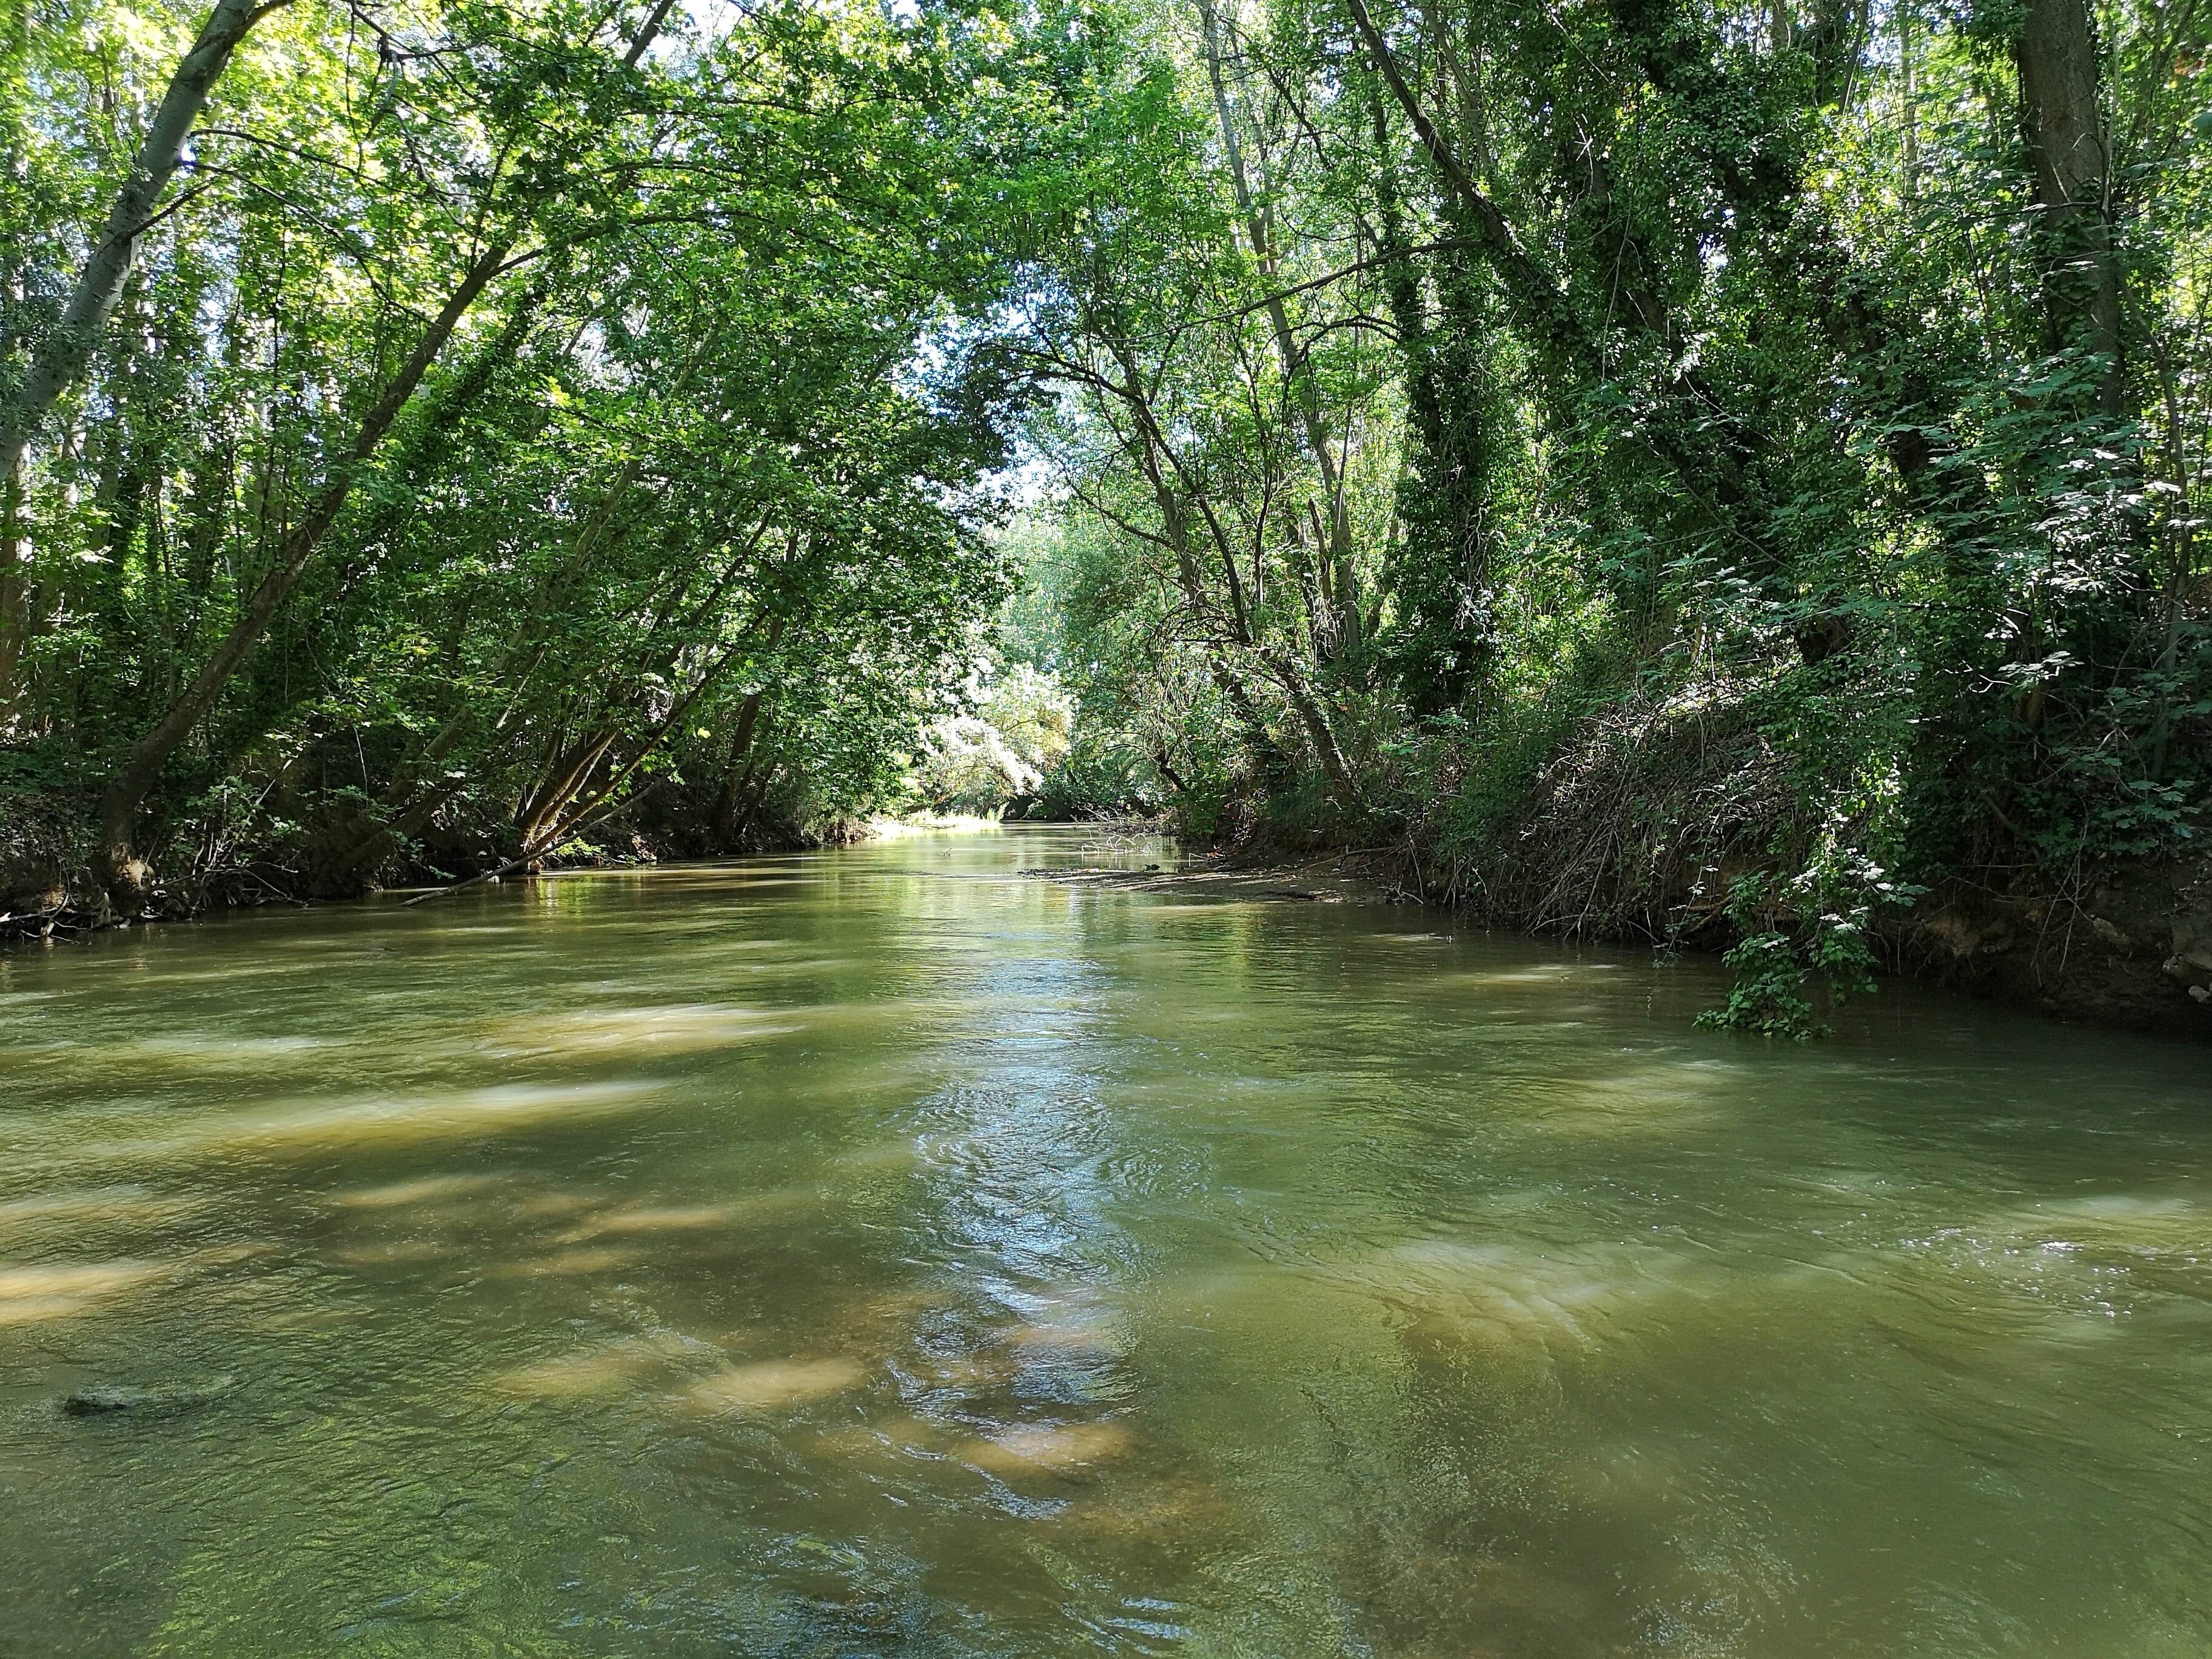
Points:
point(1296, 368)
point(1558, 329)
point(763, 780)
point(63, 355)
point(2061, 118)
point(118, 866)
point(740, 774)
point(1315, 719)
point(15, 610)
point(1273, 765)
point(353, 868)
point(570, 771)
point(120, 870)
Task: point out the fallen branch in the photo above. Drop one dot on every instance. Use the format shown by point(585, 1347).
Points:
point(507, 869)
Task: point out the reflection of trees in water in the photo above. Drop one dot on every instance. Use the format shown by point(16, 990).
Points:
point(1230, 1277)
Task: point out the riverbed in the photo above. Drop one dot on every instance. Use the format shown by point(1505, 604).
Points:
point(885, 1252)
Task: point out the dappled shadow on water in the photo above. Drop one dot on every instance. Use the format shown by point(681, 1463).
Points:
point(886, 1254)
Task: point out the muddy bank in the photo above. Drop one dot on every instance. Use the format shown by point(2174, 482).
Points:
point(2131, 948)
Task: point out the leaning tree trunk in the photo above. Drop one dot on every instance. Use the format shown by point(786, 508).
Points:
point(120, 869)
point(2063, 121)
point(541, 813)
point(1296, 367)
point(64, 353)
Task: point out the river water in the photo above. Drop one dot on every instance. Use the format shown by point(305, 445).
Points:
point(879, 1252)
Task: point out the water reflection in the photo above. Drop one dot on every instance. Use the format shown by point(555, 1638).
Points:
point(878, 1252)
point(774, 1384)
point(61, 1290)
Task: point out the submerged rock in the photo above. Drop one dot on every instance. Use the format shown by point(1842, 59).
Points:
point(102, 1398)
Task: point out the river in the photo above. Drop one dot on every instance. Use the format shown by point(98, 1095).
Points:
point(880, 1252)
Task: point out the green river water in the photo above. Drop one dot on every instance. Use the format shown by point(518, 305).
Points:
point(878, 1252)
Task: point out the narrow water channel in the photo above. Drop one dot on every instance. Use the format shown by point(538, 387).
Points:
point(880, 1253)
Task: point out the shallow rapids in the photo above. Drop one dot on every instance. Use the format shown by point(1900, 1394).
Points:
point(880, 1252)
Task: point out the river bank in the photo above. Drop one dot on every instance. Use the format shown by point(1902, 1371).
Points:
point(2131, 948)
point(50, 889)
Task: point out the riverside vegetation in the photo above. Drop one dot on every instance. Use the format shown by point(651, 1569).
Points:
point(1722, 473)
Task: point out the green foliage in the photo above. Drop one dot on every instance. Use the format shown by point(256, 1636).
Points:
point(1717, 466)
point(1767, 998)
point(1824, 912)
point(1743, 454)
point(688, 523)
point(1001, 754)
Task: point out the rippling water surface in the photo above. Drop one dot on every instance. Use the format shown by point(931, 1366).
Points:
point(880, 1253)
